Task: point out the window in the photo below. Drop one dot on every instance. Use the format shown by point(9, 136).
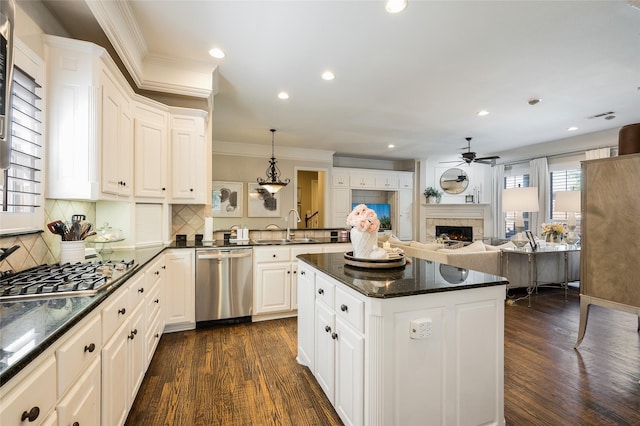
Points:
point(564, 180)
point(21, 183)
point(510, 217)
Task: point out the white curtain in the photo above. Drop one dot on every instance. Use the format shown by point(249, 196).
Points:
point(539, 178)
point(598, 153)
point(497, 185)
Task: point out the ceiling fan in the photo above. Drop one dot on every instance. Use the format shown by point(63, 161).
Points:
point(470, 156)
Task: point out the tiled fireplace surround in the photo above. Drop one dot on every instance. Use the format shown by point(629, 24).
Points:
point(473, 215)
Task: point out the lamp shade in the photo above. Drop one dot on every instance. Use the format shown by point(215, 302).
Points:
point(567, 201)
point(520, 199)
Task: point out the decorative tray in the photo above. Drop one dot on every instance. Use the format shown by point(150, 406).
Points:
point(398, 260)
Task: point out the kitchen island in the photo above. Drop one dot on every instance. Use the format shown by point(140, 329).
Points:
point(419, 344)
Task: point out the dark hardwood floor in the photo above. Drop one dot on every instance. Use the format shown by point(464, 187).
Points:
point(246, 374)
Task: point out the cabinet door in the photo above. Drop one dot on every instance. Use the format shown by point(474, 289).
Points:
point(341, 206)
point(359, 180)
point(117, 140)
point(272, 288)
point(137, 356)
point(150, 141)
point(340, 177)
point(405, 180)
point(115, 378)
point(188, 156)
point(306, 308)
point(36, 394)
point(180, 287)
point(82, 403)
point(349, 374)
point(404, 227)
point(386, 181)
point(324, 359)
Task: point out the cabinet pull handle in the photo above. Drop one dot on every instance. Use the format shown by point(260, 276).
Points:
point(122, 311)
point(133, 334)
point(334, 336)
point(157, 272)
point(75, 424)
point(30, 415)
point(156, 335)
point(327, 329)
point(191, 189)
point(320, 291)
point(164, 189)
point(295, 272)
point(156, 301)
point(141, 290)
point(301, 272)
point(344, 308)
point(274, 255)
point(164, 267)
point(288, 272)
point(90, 348)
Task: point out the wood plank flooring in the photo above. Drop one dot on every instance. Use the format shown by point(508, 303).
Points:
point(246, 374)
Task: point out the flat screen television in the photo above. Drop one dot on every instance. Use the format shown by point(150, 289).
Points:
point(383, 211)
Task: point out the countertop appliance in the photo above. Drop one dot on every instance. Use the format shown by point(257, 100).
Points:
point(224, 286)
point(61, 280)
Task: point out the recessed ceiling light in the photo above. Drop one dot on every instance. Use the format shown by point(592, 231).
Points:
point(328, 75)
point(395, 6)
point(283, 95)
point(572, 128)
point(391, 146)
point(482, 113)
point(217, 53)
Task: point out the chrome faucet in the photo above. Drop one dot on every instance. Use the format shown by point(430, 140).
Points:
point(289, 222)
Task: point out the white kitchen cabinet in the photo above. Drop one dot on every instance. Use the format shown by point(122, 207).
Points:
point(341, 202)
point(275, 288)
point(188, 158)
point(31, 400)
point(81, 406)
point(80, 350)
point(116, 138)
point(306, 303)
point(404, 226)
point(180, 290)
point(339, 177)
point(150, 149)
point(405, 180)
point(362, 179)
point(116, 377)
point(386, 180)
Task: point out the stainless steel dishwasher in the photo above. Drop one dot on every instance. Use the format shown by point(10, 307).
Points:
point(224, 285)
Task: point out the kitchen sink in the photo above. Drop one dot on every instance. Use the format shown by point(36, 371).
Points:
point(268, 242)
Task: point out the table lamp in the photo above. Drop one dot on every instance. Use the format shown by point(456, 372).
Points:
point(520, 200)
point(569, 202)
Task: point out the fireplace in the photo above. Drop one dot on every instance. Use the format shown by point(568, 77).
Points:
point(457, 233)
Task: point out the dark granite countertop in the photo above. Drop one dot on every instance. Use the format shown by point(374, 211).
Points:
point(28, 328)
point(250, 243)
point(418, 276)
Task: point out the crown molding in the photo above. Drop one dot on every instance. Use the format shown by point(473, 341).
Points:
point(150, 72)
point(262, 151)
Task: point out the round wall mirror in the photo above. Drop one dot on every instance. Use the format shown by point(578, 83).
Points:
point(454, 181)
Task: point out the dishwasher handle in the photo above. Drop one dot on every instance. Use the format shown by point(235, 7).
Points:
point(225, 255)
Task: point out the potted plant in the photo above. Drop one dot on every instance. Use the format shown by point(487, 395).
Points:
point(432, 195)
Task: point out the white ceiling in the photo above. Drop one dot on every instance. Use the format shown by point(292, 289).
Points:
point(415, 79)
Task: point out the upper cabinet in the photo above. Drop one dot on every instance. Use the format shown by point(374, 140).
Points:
point(116, 138)
point(107, 143)
point(405, 180)
point(188, 167)
point(150, 152)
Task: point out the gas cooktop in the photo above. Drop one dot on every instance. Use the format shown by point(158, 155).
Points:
point(47, 281)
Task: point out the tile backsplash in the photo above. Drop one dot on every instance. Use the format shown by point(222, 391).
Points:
point(36, 249)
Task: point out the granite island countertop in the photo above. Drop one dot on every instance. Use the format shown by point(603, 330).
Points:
point(418, 276)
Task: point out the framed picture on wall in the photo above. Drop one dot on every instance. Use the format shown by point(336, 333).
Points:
point(226, 199)
point(261, 202)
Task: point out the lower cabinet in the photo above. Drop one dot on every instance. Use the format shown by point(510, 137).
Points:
point(339, 358)
point(81, 406)
point(180, 311)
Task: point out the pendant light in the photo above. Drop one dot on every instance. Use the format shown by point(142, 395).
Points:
point(273, 183)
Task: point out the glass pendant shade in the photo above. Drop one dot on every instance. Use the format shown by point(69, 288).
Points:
point(273, 183)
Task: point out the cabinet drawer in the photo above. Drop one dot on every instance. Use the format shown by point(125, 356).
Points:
point(153, 302)
point(350, 309)
point(324, 290)
point(275, 254)
point(138, 289)
point(77, 353)
point(35, 395)
point(115, 313)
